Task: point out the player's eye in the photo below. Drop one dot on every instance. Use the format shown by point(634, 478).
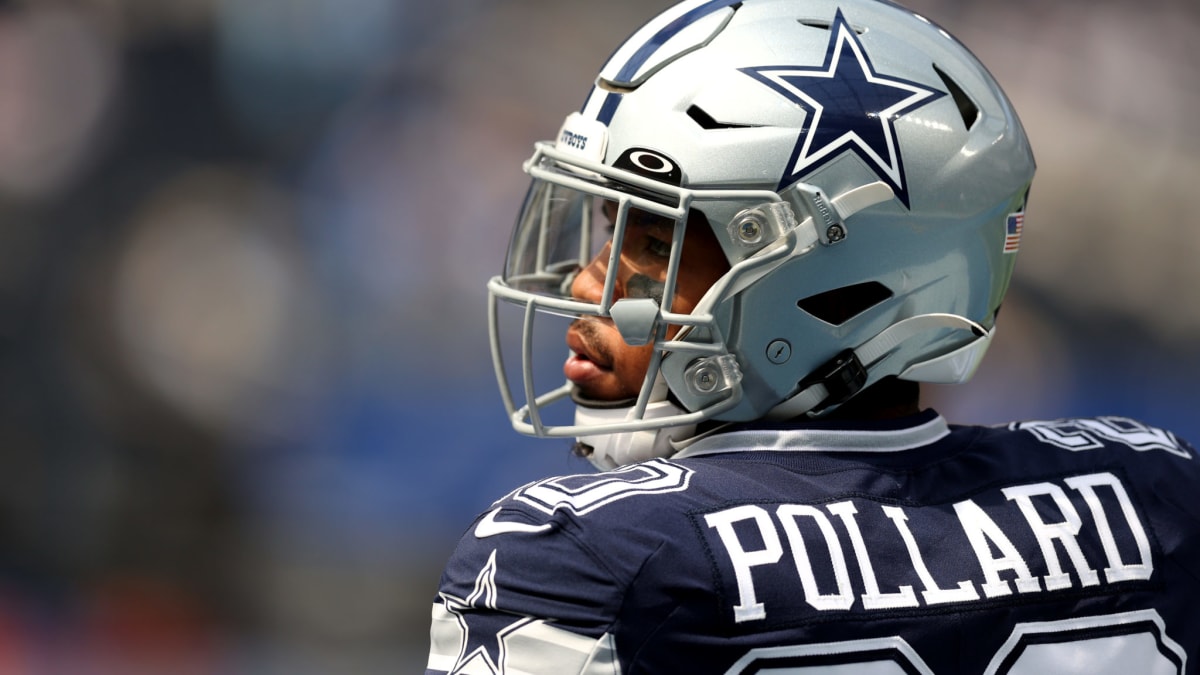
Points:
point(650, 244)
point(658, 247)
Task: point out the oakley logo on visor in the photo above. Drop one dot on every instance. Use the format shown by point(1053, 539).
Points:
point(650, 164)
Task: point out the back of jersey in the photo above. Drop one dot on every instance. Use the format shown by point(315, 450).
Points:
point(1050, 547)
point(1070, 546)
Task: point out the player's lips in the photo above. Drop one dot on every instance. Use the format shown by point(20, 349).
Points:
point(580, 369)
point(587, 362)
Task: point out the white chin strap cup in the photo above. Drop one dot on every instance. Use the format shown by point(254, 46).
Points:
point(608, 451)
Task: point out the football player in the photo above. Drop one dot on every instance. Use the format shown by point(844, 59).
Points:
point(769, 222)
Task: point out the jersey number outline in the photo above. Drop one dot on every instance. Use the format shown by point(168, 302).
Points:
point(1090, 434)
point(584, 493)
point(1080, 644)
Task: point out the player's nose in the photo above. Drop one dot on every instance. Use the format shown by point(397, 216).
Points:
point(588, 284)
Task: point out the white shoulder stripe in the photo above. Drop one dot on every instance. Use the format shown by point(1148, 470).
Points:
point(534, 648)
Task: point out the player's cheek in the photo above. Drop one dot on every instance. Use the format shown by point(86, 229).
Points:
point(631, 366)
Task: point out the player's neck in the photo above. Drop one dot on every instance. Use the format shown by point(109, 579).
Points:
point(890, 398)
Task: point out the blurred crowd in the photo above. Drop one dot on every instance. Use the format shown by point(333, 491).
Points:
point(246, 400)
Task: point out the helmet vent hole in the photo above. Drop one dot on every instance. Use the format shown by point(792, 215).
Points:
point(821, 24)
point(966, 107)
point(838, 306)
point(706, 121)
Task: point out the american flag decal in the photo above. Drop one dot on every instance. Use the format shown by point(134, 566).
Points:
point(1012, 234)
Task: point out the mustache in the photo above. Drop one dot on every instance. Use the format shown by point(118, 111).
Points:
point(590, 333)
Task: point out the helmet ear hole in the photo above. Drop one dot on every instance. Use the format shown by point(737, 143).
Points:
point(839, 305)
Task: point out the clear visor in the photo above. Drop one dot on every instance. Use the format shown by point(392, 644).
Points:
point(559, 231)
point(571, 219)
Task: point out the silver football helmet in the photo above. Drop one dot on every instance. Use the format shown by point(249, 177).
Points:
point(865, 177)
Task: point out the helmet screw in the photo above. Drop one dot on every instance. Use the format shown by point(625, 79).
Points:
point(835, 233)
point(705, 379)
point(779, 351)
point(750, 231)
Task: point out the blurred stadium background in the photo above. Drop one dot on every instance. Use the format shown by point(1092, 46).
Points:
point(246, 404)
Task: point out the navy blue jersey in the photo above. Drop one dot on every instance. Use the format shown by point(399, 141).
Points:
point(1068, 546)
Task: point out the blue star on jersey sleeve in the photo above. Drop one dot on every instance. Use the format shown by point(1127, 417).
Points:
point(850, 106)
point(510, 609)
point(483, 632)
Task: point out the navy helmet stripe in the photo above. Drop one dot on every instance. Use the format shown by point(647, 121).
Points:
point(667, 32)
point(609, 108)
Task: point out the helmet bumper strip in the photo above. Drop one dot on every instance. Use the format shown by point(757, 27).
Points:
point(675, 200)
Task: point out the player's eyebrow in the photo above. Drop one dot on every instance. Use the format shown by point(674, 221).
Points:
point(639, 218)
point(651, 221)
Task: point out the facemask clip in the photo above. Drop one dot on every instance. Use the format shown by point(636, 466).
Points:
point(635, 319)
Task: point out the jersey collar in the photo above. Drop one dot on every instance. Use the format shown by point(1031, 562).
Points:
point(891, 436)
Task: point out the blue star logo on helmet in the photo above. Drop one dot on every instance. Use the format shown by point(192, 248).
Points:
point(851, 107)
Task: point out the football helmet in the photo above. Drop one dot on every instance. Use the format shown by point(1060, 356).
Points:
point(866, 179)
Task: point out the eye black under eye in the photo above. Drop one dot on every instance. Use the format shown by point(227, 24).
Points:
point(658, 247)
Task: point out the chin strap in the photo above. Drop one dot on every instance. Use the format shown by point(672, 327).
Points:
point(608, 450)
point(844, 375)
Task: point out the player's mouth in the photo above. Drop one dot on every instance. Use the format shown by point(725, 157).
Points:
point(589, 360)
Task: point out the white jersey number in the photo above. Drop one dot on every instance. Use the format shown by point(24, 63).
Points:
point(1089, 434)
point(585, 493)
point(1113, 644)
